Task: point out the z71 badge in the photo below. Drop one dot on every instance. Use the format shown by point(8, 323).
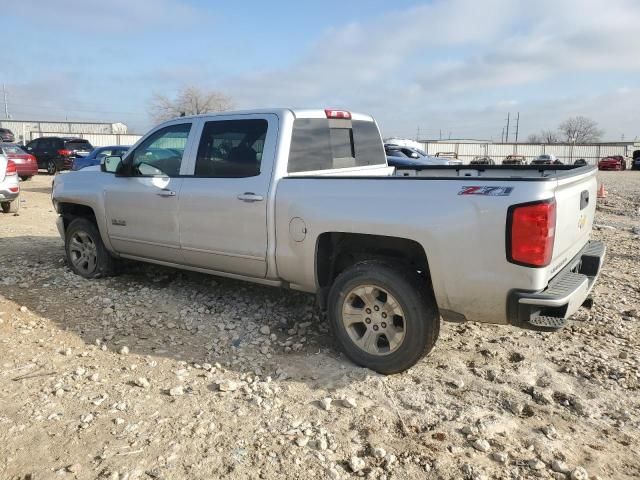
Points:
point(487, 191)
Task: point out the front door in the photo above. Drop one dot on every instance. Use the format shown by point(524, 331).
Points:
point(142, 207)
point(223, 206)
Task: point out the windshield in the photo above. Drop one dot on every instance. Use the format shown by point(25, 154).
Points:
point(11, 149)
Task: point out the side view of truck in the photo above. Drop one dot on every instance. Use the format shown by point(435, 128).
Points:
point(304, 199)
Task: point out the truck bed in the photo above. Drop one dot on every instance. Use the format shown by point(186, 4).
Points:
point(457, 213)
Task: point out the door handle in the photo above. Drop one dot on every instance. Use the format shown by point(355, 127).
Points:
point(250, 197)
point(166, 193)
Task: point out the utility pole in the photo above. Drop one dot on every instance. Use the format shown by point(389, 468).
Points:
point(440, 134)
point(6, 105)
point(507, 137)
point(517, 126)
point(502, 136)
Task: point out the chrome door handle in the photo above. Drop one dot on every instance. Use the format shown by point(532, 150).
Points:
point(250, 197)
point(166, 193)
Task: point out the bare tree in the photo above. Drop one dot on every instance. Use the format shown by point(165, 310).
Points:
point(190, 100)
point(580, 130)
point(545, 136)
point(549, 136)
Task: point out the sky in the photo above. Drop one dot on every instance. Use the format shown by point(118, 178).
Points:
point(451, 68)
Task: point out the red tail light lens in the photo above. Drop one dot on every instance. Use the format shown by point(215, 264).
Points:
point(64, 152)
point(531, 230)
point(11, 168)
point(31, 158)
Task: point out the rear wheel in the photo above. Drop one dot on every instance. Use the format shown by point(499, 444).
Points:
point(11, 207)
point(86, 254)
point(52, 168)
point(25, 178)
point(383, 316)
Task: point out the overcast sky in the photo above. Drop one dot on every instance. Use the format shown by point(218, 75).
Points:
point(454, 66)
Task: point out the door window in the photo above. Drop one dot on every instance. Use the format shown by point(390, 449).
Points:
point(161, 153)
point(231, 148)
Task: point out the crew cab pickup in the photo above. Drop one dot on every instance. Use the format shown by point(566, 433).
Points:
point(305, 199)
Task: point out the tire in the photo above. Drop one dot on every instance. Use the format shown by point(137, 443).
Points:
point(11, 207)
point(86, 254)
point(25, 178)
point(52, 168)
point(407, 328)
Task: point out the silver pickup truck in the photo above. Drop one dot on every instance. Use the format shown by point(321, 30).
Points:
point(305, 199)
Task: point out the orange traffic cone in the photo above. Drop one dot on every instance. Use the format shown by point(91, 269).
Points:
point(602, 193)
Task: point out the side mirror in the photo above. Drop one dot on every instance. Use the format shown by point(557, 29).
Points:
point(415, 155)
point(110, 164)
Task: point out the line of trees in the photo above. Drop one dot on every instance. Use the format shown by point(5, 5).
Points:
point(573, 130)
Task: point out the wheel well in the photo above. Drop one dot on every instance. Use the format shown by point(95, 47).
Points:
point(336, 251)
point(70, 211)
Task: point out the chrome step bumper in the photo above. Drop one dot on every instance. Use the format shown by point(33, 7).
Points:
point(566, 292)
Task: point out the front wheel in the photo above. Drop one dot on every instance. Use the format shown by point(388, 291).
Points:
point(86, 254)
point(384, 316)
point(52, 168)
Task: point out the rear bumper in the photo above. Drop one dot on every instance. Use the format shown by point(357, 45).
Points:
point(27, 170)
point(566, 292)
point(7, 195)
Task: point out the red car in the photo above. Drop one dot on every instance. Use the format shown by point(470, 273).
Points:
point(614, 162)
point(25, 162)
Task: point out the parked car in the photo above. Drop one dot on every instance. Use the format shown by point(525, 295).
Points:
point(580, 161)
point(7, 135)
point(24, 162)
point(96, 156)
point(635, 163)
point(547, 159)
point(514, 160)
point(398, 156)
point(57, 153)
point(297, 201)
point(482, 160)
point(614, 162)
point(9, 186)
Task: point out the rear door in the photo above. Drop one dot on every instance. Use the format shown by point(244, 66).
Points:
point(575, 210)
point(223, 205)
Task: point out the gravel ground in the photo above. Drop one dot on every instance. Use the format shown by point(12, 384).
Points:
point(162, 374)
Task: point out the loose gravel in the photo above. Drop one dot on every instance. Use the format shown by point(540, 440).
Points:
point(164, 374)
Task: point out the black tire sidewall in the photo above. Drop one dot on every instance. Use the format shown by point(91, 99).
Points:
point(104, 261)
point(421, 318)
point(55, 167)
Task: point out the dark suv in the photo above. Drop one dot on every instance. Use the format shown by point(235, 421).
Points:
point(57, 153)
point(6, 136)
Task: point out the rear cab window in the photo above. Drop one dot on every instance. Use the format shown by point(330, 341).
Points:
point(78, 145)
point(327, 144)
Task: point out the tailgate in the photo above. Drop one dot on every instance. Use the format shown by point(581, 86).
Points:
point(576, 197)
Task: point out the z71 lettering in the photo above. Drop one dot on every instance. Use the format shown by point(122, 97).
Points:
point(486, 191)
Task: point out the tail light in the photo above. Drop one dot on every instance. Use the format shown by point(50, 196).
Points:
point(531, 229)
point(64, 152)
point(11, 168)
point(337, 114)
point(31, 158)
